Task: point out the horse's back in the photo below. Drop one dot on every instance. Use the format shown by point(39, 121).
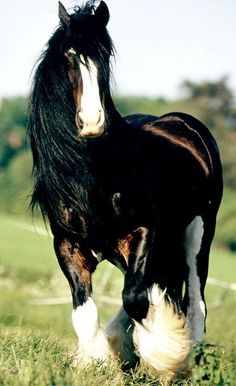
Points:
point(173, 123)
point(186, 132)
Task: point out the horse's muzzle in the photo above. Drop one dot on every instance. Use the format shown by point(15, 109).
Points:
point(90, 126)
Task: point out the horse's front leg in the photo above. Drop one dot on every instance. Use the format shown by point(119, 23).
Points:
point(135, 299)
point(77, 266)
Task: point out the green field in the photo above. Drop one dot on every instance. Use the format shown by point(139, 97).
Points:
point(38, 342)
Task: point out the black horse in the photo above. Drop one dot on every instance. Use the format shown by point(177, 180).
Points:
point(141, 191)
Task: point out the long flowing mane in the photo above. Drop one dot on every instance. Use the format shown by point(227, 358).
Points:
point(61, 161)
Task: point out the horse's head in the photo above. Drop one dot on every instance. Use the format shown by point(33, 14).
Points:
point(87, 48)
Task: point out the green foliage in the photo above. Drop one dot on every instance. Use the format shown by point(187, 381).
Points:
point(134, 105)
point(12, 129)
point(16, 184)
point(15, 161)
point(226, 224)
point(207, 366)
point(216, 96)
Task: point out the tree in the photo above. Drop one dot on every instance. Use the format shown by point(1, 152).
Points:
point(216, 107)
point(12, 129)
point(216, 102)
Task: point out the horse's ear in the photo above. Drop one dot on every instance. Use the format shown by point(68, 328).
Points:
point(63, 15)
point(102, 14)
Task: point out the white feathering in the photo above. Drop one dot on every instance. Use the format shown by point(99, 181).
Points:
point(162, 339)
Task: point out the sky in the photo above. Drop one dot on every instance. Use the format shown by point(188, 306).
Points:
point(159, 43)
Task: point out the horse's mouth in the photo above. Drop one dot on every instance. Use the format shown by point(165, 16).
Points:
point(91, 131)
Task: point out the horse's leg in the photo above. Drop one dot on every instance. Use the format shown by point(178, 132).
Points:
point(198, 238)
point(121, 327)
point(159, 333)
point(78, 266)
point(120, 337)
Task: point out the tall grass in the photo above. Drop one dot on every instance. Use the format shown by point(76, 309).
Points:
point(39, 359)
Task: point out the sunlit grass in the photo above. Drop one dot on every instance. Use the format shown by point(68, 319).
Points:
point(42, 360)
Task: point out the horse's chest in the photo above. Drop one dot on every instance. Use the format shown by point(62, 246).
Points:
point(116, 207)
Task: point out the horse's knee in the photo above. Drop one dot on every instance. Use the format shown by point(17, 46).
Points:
point(135, 297)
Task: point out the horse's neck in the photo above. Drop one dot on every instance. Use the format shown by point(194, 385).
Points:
point(117, 125)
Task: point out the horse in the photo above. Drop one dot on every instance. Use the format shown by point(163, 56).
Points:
point(141, 192)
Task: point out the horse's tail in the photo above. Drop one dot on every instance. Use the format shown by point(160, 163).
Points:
point(162, 339)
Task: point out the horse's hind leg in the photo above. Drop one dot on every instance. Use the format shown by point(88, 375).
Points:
point(198, 238)
point(77, 268)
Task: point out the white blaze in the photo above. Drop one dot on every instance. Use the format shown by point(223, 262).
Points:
point(91, 112)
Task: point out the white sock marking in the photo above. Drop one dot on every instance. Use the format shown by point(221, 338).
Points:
point(196, 311)
point(92, 340)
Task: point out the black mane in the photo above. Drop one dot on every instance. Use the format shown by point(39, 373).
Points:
point(61, 160)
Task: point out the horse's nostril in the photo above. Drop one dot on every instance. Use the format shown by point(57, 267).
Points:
point(87, 119)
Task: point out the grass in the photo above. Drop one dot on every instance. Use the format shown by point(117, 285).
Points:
point(37, 342)
point(24, 250)
point(39, 359)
